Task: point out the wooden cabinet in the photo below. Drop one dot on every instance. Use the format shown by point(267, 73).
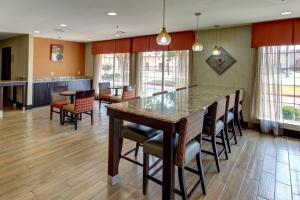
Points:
point(41, 91)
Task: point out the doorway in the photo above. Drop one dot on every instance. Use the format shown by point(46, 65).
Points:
point(6, 70)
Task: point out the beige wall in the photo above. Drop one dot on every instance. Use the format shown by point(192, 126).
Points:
point(20, 60)
point(237, 41)
point(89, 60)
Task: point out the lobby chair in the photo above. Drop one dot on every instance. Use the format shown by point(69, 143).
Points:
point(58, 101)
point(104, 93)
point(188, 142)
point(84, 104)
point(128, 93)
point(214, 128)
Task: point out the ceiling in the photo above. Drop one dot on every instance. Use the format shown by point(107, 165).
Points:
point(87, 19)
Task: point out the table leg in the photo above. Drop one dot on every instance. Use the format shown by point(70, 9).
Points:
point(1, 102)
point(113, 151)
point(168, 165)
point(116, 92)
point(24, 96)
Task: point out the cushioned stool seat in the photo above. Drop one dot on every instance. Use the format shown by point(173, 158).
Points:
point(230, 116)
point(154, 146)
point(138, 133)
point(207, 127)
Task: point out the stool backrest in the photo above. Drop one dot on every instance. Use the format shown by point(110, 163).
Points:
point(128, 92)
point(238, 99)
point(190, 128)
point(84, 101)
point(104, 88)
point(54, 93)
point(231, 101)
point(217, 112)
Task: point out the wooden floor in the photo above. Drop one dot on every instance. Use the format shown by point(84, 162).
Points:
point(40, 159)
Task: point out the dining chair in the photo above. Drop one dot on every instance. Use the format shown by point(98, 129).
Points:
point(229, 119)
point(238, 114)
point(128, 93)
point(138, 134)
point(83, 105)
point(160, 93)
point(182, 88)
point(58, 101)
point(188, 141)
point(214, 125)
point(104, 93)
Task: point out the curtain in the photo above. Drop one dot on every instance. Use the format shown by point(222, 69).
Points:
point(139, 73)
point(181, 76)
point(269, 89)
point(121, 72)
point(97, 75)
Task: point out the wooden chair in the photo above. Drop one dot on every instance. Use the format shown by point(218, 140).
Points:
point(136, 133)
point(182, 88)
point(188, 142)
point(238, 114)
point(128, 93)
point(160, 93)
point(84, 103)
point(229, 119)
point(214, 125)
point(58, 101)
point(104, 93)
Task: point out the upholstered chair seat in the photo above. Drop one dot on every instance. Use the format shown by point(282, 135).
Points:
point(60, 104)
point(69, 108)
point(138, 133)
point(230, 116)
point(116, 99)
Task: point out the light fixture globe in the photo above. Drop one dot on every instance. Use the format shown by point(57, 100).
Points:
point(197, 46)
point(163, 38)
point(216, 51)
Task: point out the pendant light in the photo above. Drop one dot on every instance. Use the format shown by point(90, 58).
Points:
point(216, 51)
point(197, 46)
point(163, 38)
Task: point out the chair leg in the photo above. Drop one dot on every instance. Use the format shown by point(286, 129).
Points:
point(51, 112)
point(63, 117)
point(224, 143)
point(92, 117)
point(233, 131)
point(60, 115)
point(214, 147)
point(239, 126)
point(121, 145)
point(227, 138)
point(99, 104)
point(137, 146)
point(75, 120)
point(145, 172)
point(242, 120)
point(182, 183)
point(200, 171)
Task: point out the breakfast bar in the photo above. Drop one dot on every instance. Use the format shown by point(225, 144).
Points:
point(14, 84)
point(162, 112)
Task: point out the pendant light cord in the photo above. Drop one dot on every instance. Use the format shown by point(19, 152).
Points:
point(197, 27)
point(164, 13)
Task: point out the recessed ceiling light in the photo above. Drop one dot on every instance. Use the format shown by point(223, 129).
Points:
point(37, 32)
point(112, 13)
point(89, 39)
point(286, 13)
point(63, 25)
point(117, 35)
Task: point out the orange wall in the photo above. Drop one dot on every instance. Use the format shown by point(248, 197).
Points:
point(74, 58)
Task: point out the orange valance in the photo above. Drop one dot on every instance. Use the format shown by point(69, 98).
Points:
point(180, 41)
point(282, 32)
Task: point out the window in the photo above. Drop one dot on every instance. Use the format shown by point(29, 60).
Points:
point(285, 81)
point(163, 70)
point(115, 68)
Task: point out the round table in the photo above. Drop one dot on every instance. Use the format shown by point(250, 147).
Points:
point(70, 94)
point(116, 88)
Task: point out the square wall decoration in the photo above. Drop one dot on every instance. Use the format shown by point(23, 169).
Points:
point(221, 62)
point(57, 52)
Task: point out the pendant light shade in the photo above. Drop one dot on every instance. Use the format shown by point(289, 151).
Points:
point(216, 51)
point(197, 46)
point(163, 38)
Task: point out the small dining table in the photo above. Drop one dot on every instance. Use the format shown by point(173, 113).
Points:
point(116, 88)
point(162, 112)
point(70, 94)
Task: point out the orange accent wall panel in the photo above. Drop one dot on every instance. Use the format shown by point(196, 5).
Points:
point(140, 44)
point(182, 40)
point(297, 32)
point(272, 33)
point(123, 45)
point(73, 62)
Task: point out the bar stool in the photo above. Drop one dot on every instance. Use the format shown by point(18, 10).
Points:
point(214, 126)
point(238, 114)
point(188, 142)
point(229, 119)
